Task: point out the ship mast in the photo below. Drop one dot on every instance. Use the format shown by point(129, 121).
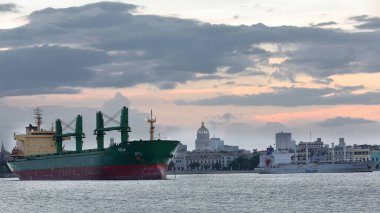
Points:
point(151, 121)
point(38, 118)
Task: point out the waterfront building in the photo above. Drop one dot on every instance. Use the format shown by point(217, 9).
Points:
point(209, 153)
point(341, 152)
point(284, 141)
point(227, 158)
point(179, 158)
point(316, 151)
point(360, 153)
point(228, 148)
point(203, 160)
point(217, 144)
point(375, 156)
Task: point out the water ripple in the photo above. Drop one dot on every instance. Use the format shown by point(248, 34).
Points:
point(353, 192)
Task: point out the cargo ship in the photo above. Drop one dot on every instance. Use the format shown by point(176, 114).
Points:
point(268, 165)
point(39, 154)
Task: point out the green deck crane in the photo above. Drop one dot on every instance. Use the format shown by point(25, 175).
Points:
point(78, 134)
point(123, 128)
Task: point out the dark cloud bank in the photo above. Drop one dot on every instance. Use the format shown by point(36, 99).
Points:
point(8, 7)
point(366, 22)
point(106, 45)
point(290, 97)
point(344, 121)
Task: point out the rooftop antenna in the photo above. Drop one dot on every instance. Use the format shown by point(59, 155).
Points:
point(151, 121)
point(38, 117)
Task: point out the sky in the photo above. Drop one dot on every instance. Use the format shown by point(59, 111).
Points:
point(248, 69)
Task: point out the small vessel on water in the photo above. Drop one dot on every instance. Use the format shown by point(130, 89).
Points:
point(268, 165)
point(39, 154)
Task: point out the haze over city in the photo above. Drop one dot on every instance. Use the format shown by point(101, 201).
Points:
point(248, 69)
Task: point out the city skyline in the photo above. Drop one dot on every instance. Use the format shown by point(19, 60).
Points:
point(248, 69)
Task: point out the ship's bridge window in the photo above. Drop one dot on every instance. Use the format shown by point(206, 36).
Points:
point(42, 133)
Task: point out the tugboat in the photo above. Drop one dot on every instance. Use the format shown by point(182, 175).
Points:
point(39, 154)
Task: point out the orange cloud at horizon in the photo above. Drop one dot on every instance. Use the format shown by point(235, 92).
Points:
point(321, 113)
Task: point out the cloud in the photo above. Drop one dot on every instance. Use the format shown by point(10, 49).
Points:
point(116, 103)
point(47, 69)
point(8, 8)
point(323, 24)
point(321, 60)
point(284, 76)
point(366, 22)
point(273, 127)
point(344, 121)
point(325, 81)
point(210, 77)
point(294, 96)
point(107, 45)
point(222, 120)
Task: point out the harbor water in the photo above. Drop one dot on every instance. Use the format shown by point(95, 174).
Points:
point(245, 192)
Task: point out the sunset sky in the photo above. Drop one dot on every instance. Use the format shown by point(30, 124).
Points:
point(248, 69)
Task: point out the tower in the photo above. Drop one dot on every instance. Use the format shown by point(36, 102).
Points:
point(284, 141)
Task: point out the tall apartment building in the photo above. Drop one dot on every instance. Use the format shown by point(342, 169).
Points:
point(284, 141)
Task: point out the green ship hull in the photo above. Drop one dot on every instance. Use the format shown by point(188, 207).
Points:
point(133, 160)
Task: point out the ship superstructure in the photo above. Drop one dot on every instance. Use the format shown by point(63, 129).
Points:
point(35, 141)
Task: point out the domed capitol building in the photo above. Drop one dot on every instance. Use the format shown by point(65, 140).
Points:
point(205, 143)
point(209, 153)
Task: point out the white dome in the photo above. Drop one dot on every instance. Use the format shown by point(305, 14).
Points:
point(203, 132)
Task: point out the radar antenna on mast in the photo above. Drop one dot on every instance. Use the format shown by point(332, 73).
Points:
point(38, 117)
point(151, 121)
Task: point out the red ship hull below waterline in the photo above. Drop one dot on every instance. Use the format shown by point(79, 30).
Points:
point(117, 172)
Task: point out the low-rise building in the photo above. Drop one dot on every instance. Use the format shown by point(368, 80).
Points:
point(315, 151)
point(228, 148)
point(217, 144)
point(375, 156)
point(203, 160)
point(179, 158)
point(342, 152)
